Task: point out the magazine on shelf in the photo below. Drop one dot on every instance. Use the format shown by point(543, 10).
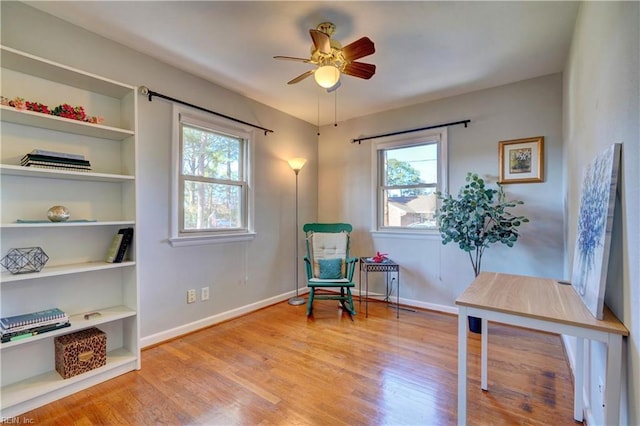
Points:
point(127, 238)
point(53, 160)
point(114, 248)
point(56, 166)
point(34, 331)
point(27, 327)
point(38, 151)
point(12, 322)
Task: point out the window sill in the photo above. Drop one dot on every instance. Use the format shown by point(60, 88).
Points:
point(198, 240)
point(406, 233)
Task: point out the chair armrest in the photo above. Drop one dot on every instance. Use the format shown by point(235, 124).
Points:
point(307, 264)
point(350, 267)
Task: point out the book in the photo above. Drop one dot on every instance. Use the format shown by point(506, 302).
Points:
point(31, 318)
point(57, 166)
point(54, 160)
point(33, 332)
point(48, 221)
point(48, 153)
point(127, 238)
point(27, 327)
point(114, 248)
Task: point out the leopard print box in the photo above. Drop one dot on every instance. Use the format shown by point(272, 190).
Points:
point(79, 352)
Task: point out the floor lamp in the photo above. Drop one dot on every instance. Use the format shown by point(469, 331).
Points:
point(296, 164)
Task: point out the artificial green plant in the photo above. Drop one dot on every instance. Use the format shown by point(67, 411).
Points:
point(477, 218)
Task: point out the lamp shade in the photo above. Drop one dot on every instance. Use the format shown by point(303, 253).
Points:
point(297, 163)
point(327, 76)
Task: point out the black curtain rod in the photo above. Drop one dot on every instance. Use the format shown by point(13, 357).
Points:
point(401, 132)
point(145, 91)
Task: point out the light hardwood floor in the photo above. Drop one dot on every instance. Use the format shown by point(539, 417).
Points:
point(275, 367)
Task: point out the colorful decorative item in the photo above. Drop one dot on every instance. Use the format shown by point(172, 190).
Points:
point(379, 257)
point(595, 224)
point(24, 260)
point(64, 110)
point(58, 214)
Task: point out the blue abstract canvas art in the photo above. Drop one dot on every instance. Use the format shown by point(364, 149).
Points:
point(595, 222)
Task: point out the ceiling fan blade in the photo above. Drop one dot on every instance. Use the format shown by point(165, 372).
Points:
point(291, 58)
point(301, 77)
point(360, 70)
point(320, 41)
point(359, 49)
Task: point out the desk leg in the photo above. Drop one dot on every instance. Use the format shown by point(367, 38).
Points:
point(612, 383)
point(578, 391)
point(462, 365)
point(484, 353)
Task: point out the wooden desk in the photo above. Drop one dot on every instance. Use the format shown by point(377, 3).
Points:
point(540, 304)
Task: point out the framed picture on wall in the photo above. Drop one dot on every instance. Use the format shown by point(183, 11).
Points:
point(521, 160)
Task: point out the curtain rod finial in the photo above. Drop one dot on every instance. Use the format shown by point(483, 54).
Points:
point(144, 90)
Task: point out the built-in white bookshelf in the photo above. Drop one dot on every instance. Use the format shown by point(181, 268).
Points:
point(76, 278)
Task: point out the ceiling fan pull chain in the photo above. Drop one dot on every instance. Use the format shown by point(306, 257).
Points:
point(318, 115)
point(335, 109)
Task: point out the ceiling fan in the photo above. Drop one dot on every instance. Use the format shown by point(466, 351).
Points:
point(332, 60)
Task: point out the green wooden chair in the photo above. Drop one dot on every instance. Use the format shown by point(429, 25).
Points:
point(328, 264)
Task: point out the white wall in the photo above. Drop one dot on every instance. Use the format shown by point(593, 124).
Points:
point(239, 274)
point(433, 275)
point(601, 97)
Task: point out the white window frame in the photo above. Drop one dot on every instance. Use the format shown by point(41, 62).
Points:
point(440, 136)
point(219, 125)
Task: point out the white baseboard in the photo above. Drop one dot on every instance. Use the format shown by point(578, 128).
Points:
point(411, 303)
point(234, 313)
point(214, 319)
point(430, 306)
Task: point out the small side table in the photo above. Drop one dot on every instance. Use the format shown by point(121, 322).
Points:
point(367, 265)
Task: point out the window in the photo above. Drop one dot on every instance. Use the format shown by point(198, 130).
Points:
point(211, 179)
point(409, 173)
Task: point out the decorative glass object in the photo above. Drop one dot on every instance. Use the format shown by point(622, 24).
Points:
point(58, 214)
point(24, 260)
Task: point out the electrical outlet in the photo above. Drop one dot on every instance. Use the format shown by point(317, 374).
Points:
point(601, 390)
point(191, 295)
point(204, 293)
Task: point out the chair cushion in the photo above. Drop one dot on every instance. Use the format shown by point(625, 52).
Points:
point(342, 282)
point(327, 246)
point(330, 269)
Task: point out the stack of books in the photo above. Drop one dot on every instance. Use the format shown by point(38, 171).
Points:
point(27, 325)
point(56, 160)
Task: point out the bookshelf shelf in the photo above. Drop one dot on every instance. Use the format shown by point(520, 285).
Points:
point(78, 323)
point(76, 279)
point(66, 125)
point(43, 388)
point(17, 60)
point(66, 224)
point(53, 271)
point(11, 170)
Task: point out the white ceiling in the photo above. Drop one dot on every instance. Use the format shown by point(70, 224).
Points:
point(424, 50)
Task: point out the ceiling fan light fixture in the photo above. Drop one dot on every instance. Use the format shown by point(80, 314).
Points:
point(327, 76)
